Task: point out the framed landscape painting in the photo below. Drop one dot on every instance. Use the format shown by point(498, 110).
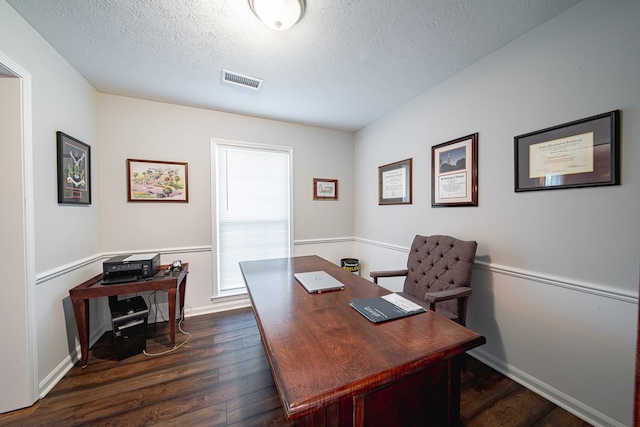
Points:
point(157, 181)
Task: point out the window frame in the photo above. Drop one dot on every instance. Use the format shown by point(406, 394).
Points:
point(215, 241)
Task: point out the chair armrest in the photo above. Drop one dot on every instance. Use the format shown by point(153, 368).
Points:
point(390, 273)
point(435, 297)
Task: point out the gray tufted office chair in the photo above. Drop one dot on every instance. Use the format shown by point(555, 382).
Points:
point(438, 275)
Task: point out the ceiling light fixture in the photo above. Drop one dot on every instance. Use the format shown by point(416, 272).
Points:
point(278, 15)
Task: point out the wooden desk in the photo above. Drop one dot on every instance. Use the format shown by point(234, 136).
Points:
point(92, 288)
point(332, 366)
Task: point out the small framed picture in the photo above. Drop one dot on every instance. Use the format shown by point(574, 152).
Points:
point(394, 183)
point(325, 189)
point(74, 170)
point(157, 181)
point(454, 172)
point(584, 153)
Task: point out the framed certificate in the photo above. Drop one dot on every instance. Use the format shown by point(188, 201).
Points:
point(584, 153)
point(394, 183)
point(454, 172)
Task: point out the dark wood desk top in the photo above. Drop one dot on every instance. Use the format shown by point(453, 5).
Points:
point(322, 351)
point(93, 288)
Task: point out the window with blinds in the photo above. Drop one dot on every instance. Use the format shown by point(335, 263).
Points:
point(253, 208)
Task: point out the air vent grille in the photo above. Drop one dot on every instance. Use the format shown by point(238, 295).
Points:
point(241, 80)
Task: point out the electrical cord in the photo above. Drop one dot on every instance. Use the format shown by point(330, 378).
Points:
point(182, 318)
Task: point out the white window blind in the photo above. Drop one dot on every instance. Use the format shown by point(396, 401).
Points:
point(253, 209)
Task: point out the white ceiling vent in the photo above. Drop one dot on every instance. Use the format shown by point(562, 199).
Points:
point(241, 80)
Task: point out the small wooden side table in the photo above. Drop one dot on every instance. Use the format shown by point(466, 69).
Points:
point(172, 282)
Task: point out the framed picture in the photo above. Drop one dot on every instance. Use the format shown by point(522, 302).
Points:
point(394, 183)
point(157, 181)
point(584, 153)
point(454, 172)
point(325, 189)
point(74, 170)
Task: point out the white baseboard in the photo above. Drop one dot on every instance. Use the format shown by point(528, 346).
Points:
point(559, 398)
point(65, 365)
point(220, 305)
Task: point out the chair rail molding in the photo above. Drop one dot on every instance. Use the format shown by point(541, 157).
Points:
point(84, 262)
point(323, 241)
point(547, 279)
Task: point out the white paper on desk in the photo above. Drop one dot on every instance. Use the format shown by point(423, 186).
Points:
point(402, 303)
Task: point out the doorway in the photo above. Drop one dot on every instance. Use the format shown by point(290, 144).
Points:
point(18, 367)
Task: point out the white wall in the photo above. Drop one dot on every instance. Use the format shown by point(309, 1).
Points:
point(557, 279)
point(61, 100)
point(137, 129)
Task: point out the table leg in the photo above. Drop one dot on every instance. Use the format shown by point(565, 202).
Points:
point(81, 313)
point(171, 296)
point(454, 394)
point(183, 292)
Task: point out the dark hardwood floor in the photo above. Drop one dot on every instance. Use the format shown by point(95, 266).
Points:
point(221, 377)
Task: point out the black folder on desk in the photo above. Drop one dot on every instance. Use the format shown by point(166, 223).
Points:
point(385, 308)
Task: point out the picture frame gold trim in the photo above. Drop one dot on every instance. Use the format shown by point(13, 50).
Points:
point(395, 183)
point(454, 172)
point(157, 181)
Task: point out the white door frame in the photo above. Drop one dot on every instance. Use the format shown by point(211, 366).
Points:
point(27, 321)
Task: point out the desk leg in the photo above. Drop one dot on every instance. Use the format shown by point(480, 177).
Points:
point(81, 313)
point(171, 295)
point(183, 292)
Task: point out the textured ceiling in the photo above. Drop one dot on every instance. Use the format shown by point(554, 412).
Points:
point(344, 65)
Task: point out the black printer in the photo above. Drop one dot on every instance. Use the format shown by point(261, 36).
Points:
point(130, 268)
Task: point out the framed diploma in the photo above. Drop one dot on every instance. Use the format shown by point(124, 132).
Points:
point(394, 183)
point(454, 172)
point(584, 153)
